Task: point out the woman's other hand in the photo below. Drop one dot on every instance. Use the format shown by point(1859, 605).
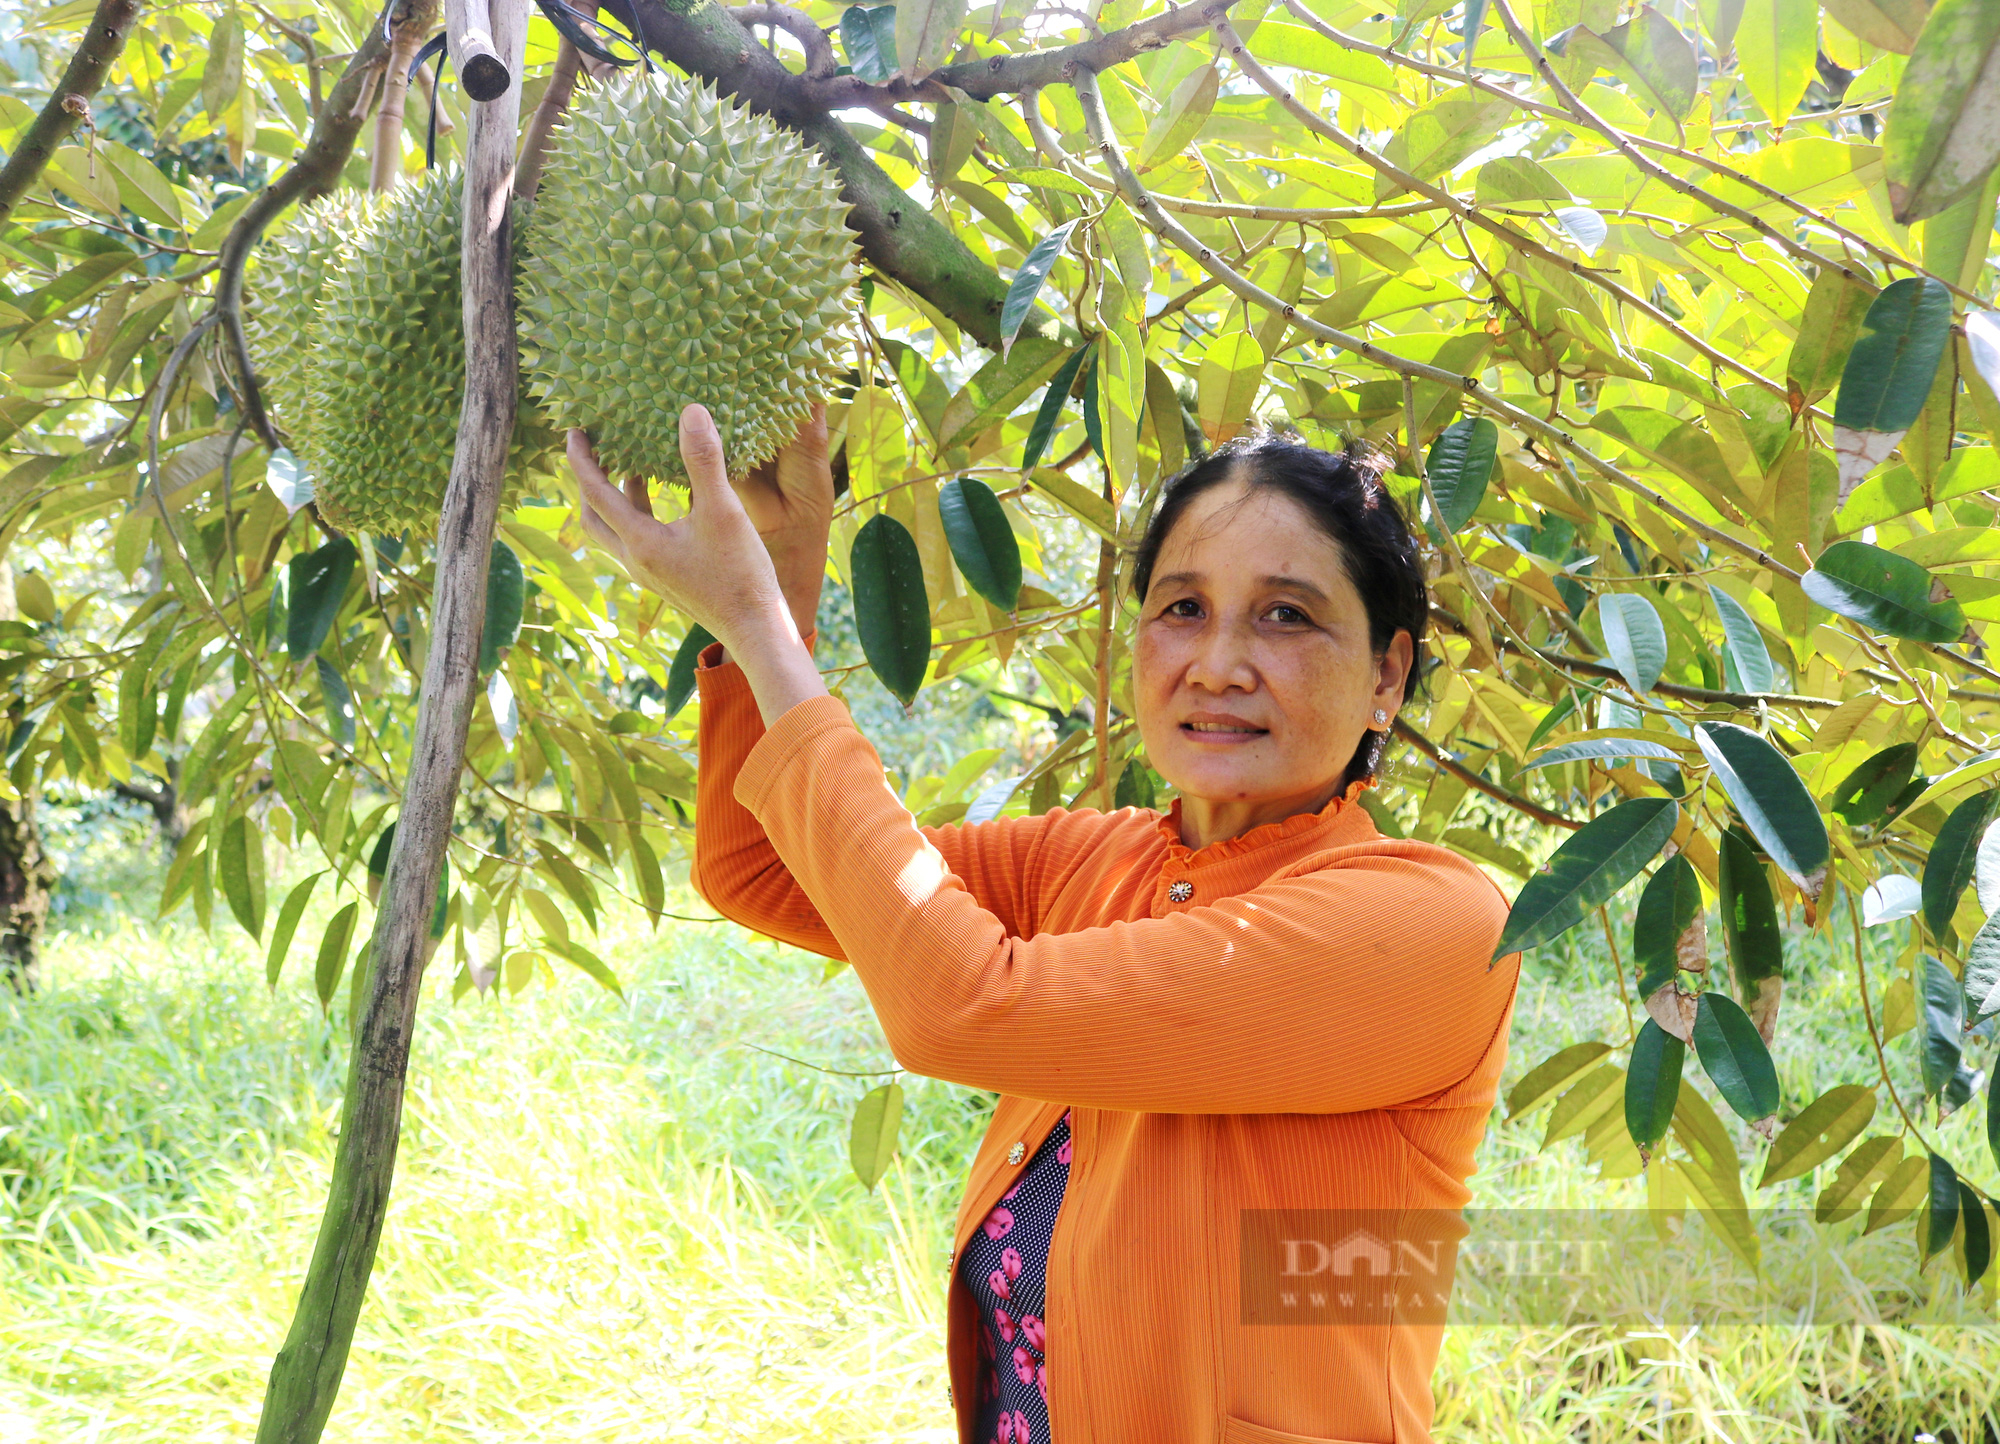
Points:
point(790, 501)
point(713, 565)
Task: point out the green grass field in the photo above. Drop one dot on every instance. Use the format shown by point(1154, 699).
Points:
point(620, 1221)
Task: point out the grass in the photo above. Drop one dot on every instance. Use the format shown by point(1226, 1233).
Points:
point(617, 1221)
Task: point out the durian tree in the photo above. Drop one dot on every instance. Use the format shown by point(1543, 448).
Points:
point(1676, 319)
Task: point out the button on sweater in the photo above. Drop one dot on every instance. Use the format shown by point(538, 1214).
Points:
point(1315, 1022)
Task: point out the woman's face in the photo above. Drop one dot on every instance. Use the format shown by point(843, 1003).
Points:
point(1252, 672)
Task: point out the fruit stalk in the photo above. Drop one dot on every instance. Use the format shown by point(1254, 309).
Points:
point(305, 1376)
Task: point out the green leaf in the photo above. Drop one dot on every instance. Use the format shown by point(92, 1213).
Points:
point(1735, 1057)
point(1982, 973)
point(1942, 1216)
point(1884, 592)
point(1944, 1020)
point(1885, 24)
point(1978, 1238)
point(925, 30)
point(1944, 128)
point(1776, 46)
point(1888, 375)
point(982, 540)
point(1592, 1097)
point(589, 963)
point(222, 72)
point(239, 864)
point(506, 594)
point(1748, 662)
point(1833, 315)
point(1592, 864)
point(1856, 1177)
point(868, 35)
point(1993, 1114)
point(892, 612)
point(378, 862)
point(1949, 866)
point(680, 676)
point(996, 388)
point(333, 953)
point(288, 923)
point(1027, 283)
point(1668, 907)
point(871, 1138)
point(1593, 749)
point(1825, 1126)
point(1865, 794)
point(1551, 1076)
point(1436, 138)
point(1050, 411)
point(1511, 179)
point(1078, 500)
point(1901, 1193)
point(1651, 55)
point(339, 702)
point(1459, 465)
point(1634, 636)
point(1180, 119)
point(1750, 929)
point(317, 584)
point(1232, 370)
point(1652, 1084)
point(1770, 798)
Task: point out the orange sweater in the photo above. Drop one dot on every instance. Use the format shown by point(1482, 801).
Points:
point(1316, 1027)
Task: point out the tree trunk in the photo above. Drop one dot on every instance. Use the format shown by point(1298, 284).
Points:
point(26, 880)
point(305, 1376)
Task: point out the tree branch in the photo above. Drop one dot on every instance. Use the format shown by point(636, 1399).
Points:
point(797, 24)
point(101, 45)
point(1448, 763)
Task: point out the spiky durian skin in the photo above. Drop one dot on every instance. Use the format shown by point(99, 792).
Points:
point(682, 251)
point(281, 306)
point(388, 376)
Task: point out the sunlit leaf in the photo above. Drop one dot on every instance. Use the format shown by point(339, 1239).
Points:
point(1459, 465)
point(1944, 129)
point(1884, 592)
point(1027, 283)
point(871, 1138)
point(1822, 1128)
point(1635, 637)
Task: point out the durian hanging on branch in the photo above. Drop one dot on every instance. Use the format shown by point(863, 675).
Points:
point(677, 250)
point(682, 250)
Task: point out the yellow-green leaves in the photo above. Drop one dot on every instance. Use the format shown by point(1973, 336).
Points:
point(239, 865)
point(1776, 45)
point(1884, 592)
point(1651, 55)
point(288, 923)
point(1770, 798)
point(1181, 118)
point(1888, 373)
point(1592, 864)
point(1552, 1075)
point(1231, 371)
point(1833, 315)
point(925, 30)
point(1825, 1126)
point(1944, 129)
point(871, 1138)
point(1885, 24)
point(982, 541)
point(892, 612)
point(1857, 1177)
point(333, 945)
point(1635, 637)
point(1459, 465)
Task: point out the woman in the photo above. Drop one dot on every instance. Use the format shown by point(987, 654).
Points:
point(1255, 1007)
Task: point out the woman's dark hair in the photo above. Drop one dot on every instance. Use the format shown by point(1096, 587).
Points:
point(1342, 492)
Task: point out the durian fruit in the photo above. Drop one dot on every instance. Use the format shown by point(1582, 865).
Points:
point(281, 304)
point(682, 250)
point(387, 371)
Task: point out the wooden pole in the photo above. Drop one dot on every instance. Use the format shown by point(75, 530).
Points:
point(305, 1376)
point(482, 73)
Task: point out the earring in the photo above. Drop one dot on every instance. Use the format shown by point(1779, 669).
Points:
point(1381, 717)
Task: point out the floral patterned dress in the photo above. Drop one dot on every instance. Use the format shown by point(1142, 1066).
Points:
point(1005, 1265)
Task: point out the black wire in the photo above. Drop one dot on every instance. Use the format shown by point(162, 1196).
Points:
point(431, 130)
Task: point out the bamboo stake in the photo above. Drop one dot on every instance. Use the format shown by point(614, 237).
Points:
point(305, 1377)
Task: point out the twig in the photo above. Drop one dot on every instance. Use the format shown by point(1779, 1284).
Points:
point(1448, 763)
point(103, 41)
point(541, 126)
point(797, 24)
point(385, 167)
